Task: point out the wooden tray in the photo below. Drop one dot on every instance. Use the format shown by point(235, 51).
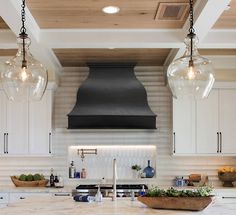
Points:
point(18, 183)
point(176, 203)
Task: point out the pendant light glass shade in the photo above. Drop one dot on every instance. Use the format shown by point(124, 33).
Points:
point(190, 79)
point(191, 76)
point(28, 82)
point(24, 78)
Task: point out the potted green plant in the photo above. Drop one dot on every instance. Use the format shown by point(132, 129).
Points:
point(136, 170)
point(187, 199)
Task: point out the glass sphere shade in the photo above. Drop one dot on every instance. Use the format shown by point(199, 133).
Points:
point(24, 83)
point(191, 78)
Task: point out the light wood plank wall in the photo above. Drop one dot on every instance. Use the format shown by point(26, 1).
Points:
point(160, 100)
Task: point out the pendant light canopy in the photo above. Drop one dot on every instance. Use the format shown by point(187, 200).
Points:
point(24, 78)
point(191, 76)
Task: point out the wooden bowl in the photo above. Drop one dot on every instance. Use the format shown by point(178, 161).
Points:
point(176, 203)
point(18, 183)
point(227, 178)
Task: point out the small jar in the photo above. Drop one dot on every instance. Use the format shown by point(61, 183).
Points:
point(83, 173)
point(179, 181)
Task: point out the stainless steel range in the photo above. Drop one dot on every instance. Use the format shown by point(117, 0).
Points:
point(123, 190)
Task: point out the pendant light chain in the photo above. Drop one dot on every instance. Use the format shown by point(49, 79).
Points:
point(191, 30)
point(23, 34)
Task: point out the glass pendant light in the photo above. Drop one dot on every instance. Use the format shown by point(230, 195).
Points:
point(191, 76)
point(24, 78)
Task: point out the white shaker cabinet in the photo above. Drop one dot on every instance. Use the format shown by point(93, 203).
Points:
point(183, 126)
point(4, 199)
point(206, 127)
point(3, 119)
point(17, 128)
point(227, 121)
point(40, 134)
point(25, 127)
point(207, 124)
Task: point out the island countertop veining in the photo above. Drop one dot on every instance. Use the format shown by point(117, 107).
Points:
point(66, 205)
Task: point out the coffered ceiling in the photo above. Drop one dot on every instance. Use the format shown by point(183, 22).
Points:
point(150, 32)
point(3, 25)
point(7, 52)
point(141, 57)
point(218, 52)
point(228, 18)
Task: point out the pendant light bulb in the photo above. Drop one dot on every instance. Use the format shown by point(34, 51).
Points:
point(191, 71)
point(23, 74)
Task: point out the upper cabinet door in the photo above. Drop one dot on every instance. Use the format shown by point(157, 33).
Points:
point(183, 126)
point(17, 128)
point(3, 122)
point(207, 129)
point(227, 108)
point(40, 119)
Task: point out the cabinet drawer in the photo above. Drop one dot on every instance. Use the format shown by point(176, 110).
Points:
point(227, 199)
point(16, 197)
point(3, 198)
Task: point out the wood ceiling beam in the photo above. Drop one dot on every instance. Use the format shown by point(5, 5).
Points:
point(111, 38)
point(10, 11)
point(206, 13)
point(56, 39)
point(219, 39)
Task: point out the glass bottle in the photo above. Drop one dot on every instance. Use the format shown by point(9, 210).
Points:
point(51, 179)
point(149, 171)
point(72, 170)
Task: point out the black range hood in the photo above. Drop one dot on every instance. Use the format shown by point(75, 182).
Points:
point(111, 97)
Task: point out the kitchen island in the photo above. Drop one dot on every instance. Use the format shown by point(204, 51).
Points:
point(66, 205)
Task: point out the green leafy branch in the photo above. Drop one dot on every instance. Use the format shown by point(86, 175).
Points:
point(172, 192)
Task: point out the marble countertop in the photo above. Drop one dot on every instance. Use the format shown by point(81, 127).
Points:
point(66, 205)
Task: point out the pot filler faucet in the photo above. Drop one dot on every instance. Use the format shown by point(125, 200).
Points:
point(114, 179)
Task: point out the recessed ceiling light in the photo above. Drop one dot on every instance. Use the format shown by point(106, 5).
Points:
point(111, 9)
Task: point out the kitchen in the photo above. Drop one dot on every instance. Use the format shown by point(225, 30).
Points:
point(69, 46)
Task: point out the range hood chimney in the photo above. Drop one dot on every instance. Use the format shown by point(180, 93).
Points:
point(111, 97)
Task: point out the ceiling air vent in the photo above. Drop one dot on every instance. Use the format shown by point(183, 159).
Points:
point(171, 11)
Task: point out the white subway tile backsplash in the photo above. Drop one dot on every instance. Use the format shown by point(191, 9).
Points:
point(100, 165)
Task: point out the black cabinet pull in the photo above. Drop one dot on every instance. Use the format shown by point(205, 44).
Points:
point(22, 197)
point(174, 142)
point(4, 141)
point(61, 194)
point(218, 142)
point(228, 197)
point(1, 197)
point(50, 143)
point(7, 143)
